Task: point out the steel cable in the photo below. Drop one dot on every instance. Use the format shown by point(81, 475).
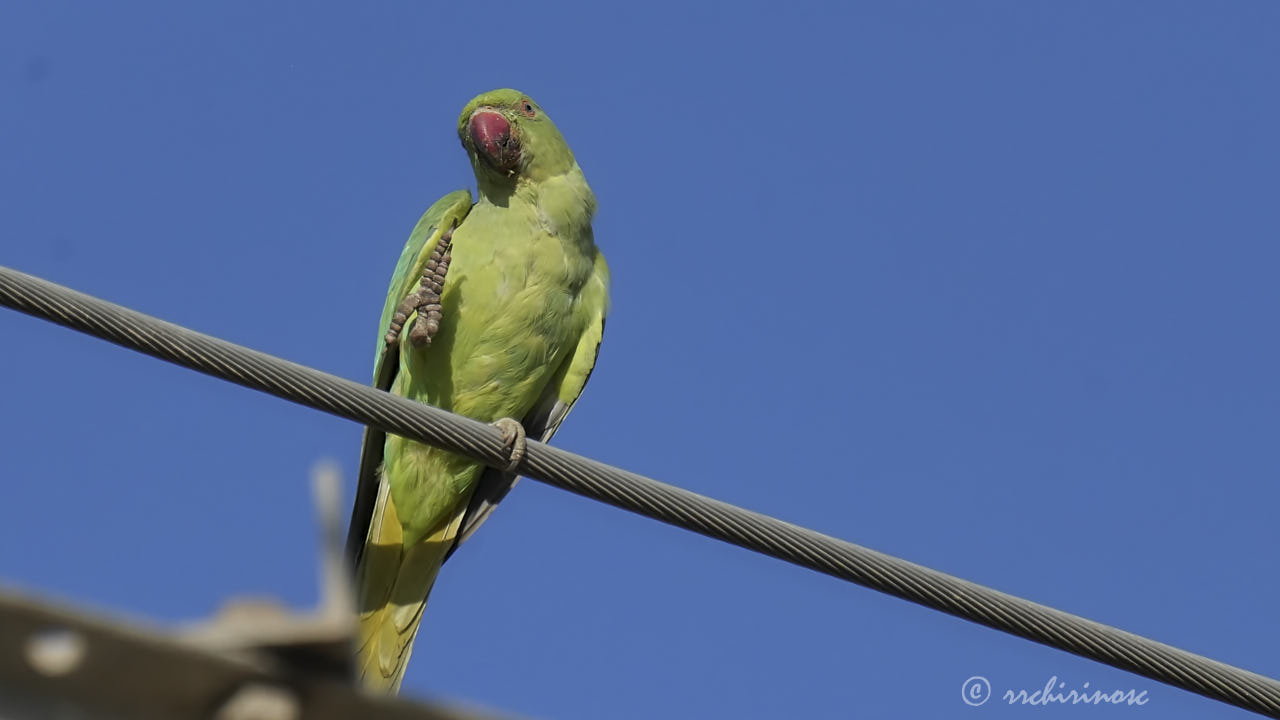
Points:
point(638, 494)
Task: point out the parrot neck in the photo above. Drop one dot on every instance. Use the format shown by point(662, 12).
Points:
point(563, 204)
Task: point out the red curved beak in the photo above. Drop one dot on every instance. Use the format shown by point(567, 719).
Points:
point(491, 135)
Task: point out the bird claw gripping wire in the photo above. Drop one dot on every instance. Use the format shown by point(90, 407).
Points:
point(425, 301)
point(513, 438)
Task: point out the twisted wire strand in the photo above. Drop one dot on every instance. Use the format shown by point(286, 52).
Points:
point(638, 494)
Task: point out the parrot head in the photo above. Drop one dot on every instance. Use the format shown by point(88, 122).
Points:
point(508, 137)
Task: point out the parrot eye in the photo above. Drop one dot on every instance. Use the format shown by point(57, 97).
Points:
point(527, 109)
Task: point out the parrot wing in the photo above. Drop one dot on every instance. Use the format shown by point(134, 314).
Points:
point(447, 212)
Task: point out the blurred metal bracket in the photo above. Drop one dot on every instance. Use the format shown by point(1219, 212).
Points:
point(316, 642)
point(254, 661)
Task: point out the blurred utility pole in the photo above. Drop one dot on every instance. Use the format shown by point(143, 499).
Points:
point(254, 661)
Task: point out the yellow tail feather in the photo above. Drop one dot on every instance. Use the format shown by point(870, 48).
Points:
point(393, 582)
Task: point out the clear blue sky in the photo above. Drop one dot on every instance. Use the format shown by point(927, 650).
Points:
point(991, 286)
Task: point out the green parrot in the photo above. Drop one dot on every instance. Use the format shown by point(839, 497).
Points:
point(495, 311)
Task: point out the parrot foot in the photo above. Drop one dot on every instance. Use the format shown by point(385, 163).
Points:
point(513, 437)
point(425, 301)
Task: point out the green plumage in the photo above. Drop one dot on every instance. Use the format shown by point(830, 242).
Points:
point(523, 309)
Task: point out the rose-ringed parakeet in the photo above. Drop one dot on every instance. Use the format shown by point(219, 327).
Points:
point(496, 311)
